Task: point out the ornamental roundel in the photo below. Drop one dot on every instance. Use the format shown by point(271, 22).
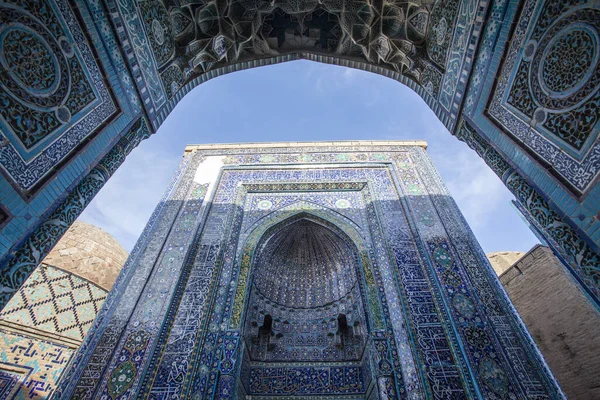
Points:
point(569, 61)
point(547, 93)
point(463, 305)
point(414, 189)
point(493, 376)
point(158, 30)
point(427, 219)
point(52, 94)
point(342, 203)
point(565, 70)
point(265, 205)
point(442, 256)
point(35, 68)
point(440, 30)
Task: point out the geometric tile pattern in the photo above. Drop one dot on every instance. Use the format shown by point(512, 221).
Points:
point(45, 236)
point(550, 85)
point(55, 301)
point(549, 109)
point(186, 320)
point(49, 316)
point(52, 90)
point(583, 261)
point(79, 85)
point(305, 279)
point(9, 381)
point(30, 368)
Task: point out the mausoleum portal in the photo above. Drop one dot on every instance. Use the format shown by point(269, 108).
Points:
point(83, 82)
point(305, 304)
point(325, 270)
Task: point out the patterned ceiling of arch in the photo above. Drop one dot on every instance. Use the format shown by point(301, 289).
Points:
point(191, 39)
point(305, 265)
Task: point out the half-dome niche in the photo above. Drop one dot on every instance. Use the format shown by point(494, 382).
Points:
point(305, 302)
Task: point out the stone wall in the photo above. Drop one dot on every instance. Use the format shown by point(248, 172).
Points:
point(503, 260)
point(561, 319)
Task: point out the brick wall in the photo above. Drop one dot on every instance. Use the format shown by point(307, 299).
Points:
point(45, 322)
point(563, 322)
point(503, 260)
point(89, 252)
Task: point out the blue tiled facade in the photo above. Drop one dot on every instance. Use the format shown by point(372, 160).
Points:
point(342, 271)
point(496, 68)
point(130, 63)
point(83, 82)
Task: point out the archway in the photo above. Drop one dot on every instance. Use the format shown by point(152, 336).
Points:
point(133, 65)
point(308, 302)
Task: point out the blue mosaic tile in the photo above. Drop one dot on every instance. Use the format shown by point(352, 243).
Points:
point(310, 282)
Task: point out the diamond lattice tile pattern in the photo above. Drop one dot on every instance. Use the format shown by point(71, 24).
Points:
point(55, 301)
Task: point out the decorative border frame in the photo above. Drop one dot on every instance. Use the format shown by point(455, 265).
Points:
point(27, 176)
point(577, 175)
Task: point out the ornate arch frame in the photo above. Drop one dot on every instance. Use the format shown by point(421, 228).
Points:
point(376, 322)
point(482, 48)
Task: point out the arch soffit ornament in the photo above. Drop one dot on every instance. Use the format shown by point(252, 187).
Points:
point(194, 42)
point(282, 219)
point(347, 260)
point(284, 216)
point(266, 222)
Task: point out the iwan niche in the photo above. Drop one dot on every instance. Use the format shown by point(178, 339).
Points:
point(334, 270)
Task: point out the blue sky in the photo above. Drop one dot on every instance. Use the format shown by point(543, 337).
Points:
point(305, 101)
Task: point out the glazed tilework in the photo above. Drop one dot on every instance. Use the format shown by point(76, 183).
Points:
point(30, 368)
point(186, 318)
point(550, 83)
point(43, 239)
point(305, 297)
point(172, 49)
point(55, 301)
point(67, 99)
point(581, 259)
point(54, 309)
point(559, 177)
point(12, 379)
point(306, 381)
point(121, 57)
point(127, 58)
point(52, 89)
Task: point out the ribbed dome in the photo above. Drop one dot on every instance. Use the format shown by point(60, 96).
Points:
point(89, 252)
point(305, 265)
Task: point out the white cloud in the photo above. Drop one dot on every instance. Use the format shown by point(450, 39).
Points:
point(475, 187)
point(349, 74)
point(126, 202)
point(331, 80)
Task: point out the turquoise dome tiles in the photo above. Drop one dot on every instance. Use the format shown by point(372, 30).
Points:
point(57, 302)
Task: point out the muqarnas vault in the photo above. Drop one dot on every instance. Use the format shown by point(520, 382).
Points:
point(330, 270)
